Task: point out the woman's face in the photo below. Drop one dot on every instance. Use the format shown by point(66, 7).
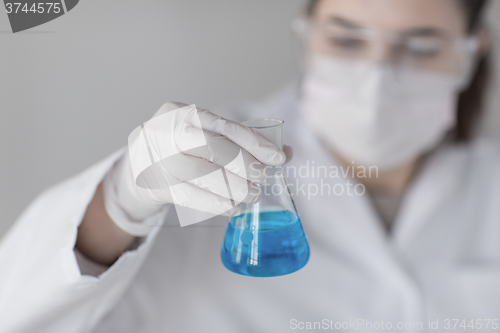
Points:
point(382, 82)
point(417, 33)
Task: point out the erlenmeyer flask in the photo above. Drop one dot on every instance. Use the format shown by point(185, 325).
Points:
point(267, 238)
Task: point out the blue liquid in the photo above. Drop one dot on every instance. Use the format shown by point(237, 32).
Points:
point(275, 245)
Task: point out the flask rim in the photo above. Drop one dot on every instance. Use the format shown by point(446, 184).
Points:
point(273, 122)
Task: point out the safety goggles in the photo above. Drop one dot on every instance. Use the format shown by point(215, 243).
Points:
point(422, 51)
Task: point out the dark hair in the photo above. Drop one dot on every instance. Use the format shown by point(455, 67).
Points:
point(470, 100)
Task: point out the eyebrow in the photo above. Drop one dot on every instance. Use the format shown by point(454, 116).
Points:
point(344, 22)
point(424, 32)
point(413, 32)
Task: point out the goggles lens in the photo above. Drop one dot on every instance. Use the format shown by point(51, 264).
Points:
point(419, 50)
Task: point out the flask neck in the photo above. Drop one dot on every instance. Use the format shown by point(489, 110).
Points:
point(270, 128)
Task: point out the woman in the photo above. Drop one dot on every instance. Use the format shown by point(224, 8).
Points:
point(390, 84)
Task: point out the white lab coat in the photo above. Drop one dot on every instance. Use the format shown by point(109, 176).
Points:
point(441, 262)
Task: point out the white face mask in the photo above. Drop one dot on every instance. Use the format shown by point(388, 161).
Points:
point(377, 116)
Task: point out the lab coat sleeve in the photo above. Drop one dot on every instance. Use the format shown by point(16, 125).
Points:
point(41, 287)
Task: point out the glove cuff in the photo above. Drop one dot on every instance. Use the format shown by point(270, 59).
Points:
point(128, 209)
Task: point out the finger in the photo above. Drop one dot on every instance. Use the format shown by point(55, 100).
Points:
point(210, 177)
point(288, 150)
point(223, 152)
point(260, 147)
point(190, 196)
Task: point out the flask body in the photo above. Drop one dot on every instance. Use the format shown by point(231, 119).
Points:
point(267, 239)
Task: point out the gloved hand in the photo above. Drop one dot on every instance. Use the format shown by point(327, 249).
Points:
point(188, 157)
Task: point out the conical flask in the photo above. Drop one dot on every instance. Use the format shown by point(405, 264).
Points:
point(267, 238)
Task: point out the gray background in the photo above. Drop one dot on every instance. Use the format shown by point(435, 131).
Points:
point(73, 89)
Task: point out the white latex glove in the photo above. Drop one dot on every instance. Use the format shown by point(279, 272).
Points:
point(202, 163)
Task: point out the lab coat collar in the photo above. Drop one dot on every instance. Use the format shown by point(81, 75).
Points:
point(439, 178)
